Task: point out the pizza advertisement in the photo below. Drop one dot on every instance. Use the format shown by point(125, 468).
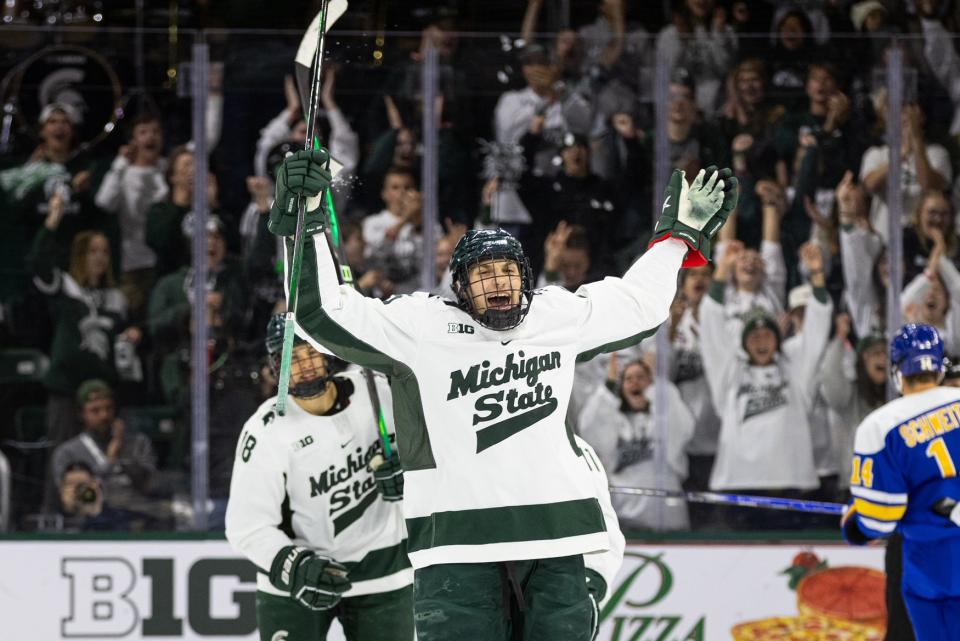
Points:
point(746, 592)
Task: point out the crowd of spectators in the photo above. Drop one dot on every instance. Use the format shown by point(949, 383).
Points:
point(776, 350)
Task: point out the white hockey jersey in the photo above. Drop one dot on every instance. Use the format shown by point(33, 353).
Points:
point(608, 562)
point(765, 439)
point(303, 479)
point(492, 472)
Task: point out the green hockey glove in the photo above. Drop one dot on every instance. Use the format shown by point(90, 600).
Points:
point(306, 174)
point(313, 581)
point(695, 213)
point(388, 475)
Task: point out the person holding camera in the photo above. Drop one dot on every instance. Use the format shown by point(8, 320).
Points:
point(123, 460)
point(82, 502)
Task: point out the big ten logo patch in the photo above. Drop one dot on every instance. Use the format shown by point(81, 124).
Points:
point(459, 328)
point(103, 598)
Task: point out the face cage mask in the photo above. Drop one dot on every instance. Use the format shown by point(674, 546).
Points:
point(498, 319)
point(309, 388)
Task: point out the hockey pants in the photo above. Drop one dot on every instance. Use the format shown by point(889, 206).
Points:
point(387, 616)
point(534, 600)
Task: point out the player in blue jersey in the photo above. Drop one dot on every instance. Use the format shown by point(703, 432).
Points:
point(904, 479)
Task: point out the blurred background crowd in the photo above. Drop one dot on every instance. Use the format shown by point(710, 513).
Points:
point(545, 125)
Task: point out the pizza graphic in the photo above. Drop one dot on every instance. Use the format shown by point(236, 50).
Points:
point(845, 603)
point(804, 628)
point(849, 593)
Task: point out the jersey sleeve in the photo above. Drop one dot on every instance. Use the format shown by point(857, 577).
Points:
point(813, 342)
point(718, 348)
point(606, 563)
point(877, 484)
point(377, 334)
point(775, 269)
point(837, 390)
point(859, 249)
point(257, 492)
point(618, 312)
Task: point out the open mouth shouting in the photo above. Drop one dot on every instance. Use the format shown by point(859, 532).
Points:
point(499, 301)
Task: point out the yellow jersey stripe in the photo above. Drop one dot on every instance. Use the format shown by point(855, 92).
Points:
point(878, 511)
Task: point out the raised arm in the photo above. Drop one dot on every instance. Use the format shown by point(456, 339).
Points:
point(110, 193)
point(42, 257)
point(933, 164)
point(618, 312)
point(530, 18)
point(358, 329)
point(838, 390)
point(859, 248)
point(614, 11)
point(816, 323)
point(344, 144)
point(943, 61)
point(914, 292)
point(774, 205)
point(718, 347)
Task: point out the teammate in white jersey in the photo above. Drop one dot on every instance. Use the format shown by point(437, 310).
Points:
point(305, 508)
point(498, 505)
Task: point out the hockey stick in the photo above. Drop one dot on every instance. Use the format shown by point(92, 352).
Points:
point(741, 500)
point(305, 53)
point(286, 355)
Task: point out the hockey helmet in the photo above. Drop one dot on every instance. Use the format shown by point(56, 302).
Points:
point(481, 245)
point(313, 383)
point(916, 349)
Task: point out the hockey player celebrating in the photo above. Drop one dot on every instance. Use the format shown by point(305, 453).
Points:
point(497, 500)
point(904, 479)
point(305, 508)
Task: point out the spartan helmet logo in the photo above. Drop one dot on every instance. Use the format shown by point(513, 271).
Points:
point(61, 86)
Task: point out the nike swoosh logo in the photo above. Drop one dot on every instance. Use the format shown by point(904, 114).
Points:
point(666, 203)
point(506, 342)
point(347, 443)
